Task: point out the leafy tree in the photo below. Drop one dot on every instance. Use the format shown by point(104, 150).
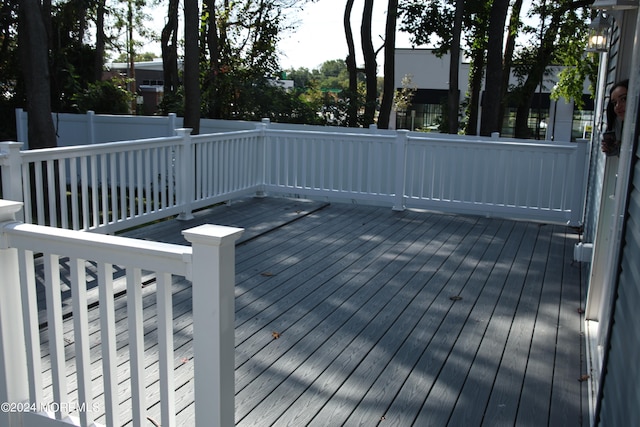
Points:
point(566, 25)
point(437, 22)
point(105, 97)
point(491, 120)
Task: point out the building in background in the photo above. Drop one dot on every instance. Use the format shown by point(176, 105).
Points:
point(429, 75)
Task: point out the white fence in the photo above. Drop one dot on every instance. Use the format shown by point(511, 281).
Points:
point(210, 265)
point(111, 186)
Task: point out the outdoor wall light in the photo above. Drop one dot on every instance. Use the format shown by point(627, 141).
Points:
point(614, 4)
point(599, 30)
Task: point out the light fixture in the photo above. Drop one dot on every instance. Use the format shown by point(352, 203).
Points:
point(599, 30)
point(614, 4)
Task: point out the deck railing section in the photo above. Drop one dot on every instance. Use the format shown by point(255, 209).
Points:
point(113, 186)
point(210, 265)
point(529, 180)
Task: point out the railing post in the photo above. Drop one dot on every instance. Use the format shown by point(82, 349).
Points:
point(184, 174)
point(401, 153)
point(579, 192)
point(262, 152)
point(91, 126)
point(213, 282)
point(12, 173)
point(171, 124)
point(14, 382)
point(21, 126)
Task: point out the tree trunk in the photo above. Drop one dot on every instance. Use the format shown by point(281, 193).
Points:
point(475, 86)
point(389, 65)
point(543, 59)
point(491, 120)
point(454, 70)
point(507, 63)
point(352, 108)
point(211, 85)
point(169, 46)
point(191, 67)
point(370, 65)
point(101, 39)
point(35, 68)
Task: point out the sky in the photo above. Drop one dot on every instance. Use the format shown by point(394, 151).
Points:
point(320, 34)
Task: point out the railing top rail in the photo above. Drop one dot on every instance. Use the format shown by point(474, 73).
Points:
point(224, 135)
point(332, 134)
point(503, 143)
point(147, 255)
point(105, 147)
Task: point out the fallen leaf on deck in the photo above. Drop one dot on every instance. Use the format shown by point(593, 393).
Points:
point(583, 378)
point(275, 335)
point(455, 298)
point(580, 310)
point(267, 274)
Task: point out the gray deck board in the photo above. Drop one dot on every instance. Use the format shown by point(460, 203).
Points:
point(384, 318)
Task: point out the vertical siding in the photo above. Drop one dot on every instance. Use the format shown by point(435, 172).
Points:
point(620, 404)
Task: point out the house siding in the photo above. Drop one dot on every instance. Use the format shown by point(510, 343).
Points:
point(620, 399)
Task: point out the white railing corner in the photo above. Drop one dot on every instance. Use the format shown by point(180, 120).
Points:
point(213, 282)
point(401, 164)
point(14, 383)
point(184, 174)
point(581, 170)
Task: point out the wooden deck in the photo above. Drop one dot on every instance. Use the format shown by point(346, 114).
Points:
point(359, 315)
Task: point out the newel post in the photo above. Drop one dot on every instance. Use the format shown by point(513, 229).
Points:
point(401, 154)
point(14, 383)
point(213, 282)
point(185, 174)
point(11, 161)
point(580, 179)
point(91, 126)
point(262, 153)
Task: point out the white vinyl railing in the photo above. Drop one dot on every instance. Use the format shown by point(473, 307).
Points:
point(210, 266)
point(112, 186)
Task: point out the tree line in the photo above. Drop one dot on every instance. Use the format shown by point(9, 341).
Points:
point(52, 57)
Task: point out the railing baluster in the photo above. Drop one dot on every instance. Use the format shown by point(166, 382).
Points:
point(84, 184)
point(81, 336)
point(30, 319)
point(56, 336)
point(165, 349)
point(73, 175)
point(136, 345)
point(108, 343)
point(51, 193)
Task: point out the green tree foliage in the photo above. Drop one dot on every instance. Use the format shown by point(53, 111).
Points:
point(11, 89)
point(105, 97)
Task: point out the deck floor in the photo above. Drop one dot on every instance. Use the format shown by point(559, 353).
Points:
point(359, 315)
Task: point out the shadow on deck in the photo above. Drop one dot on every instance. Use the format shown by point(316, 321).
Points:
point(359, 315)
